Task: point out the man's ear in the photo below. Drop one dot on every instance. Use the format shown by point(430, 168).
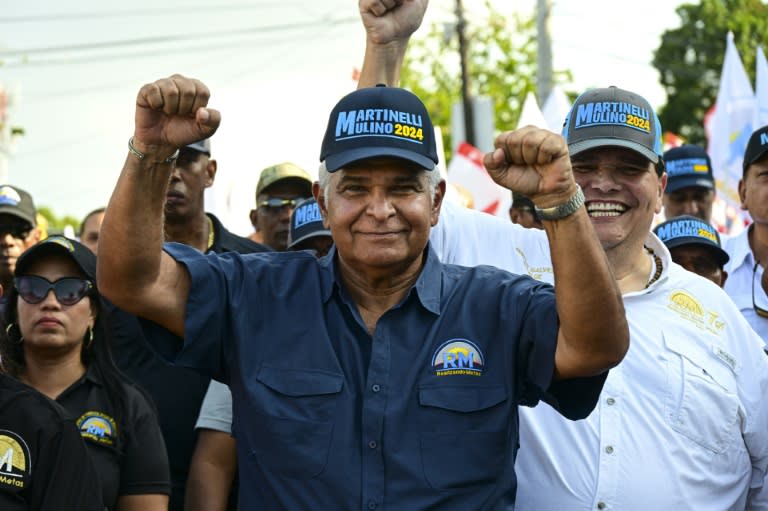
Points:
point(437, 200)
point(743, 194)
point(210, 172)
point(319, 195)
point(660, 198)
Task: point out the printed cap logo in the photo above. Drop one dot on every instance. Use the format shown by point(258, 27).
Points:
point(9, 196)
point(15, 462)
point(458, 356)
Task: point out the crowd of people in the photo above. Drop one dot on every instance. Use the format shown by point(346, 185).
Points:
point(374, 345)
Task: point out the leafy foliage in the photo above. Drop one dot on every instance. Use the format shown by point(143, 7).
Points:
point(501, 61)
point(690, 58)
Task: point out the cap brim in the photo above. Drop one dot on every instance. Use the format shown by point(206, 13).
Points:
point(592, 143)
point(42, 249)
point(309, 236)
point(675, 184)
point(721, 256)
point(344, 158)
point(14, 211)
point(759, 156)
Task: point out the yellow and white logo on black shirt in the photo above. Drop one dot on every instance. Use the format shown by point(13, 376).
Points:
point(15, 462)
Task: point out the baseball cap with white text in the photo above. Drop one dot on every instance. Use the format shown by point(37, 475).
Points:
point(688, 166)
point(376, 122)
point(613, 117)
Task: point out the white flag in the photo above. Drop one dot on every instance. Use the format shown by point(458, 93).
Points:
point(761, 90)
point(731, 125)
point(531, 115)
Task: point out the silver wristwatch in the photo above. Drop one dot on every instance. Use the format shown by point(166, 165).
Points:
point(562, 210)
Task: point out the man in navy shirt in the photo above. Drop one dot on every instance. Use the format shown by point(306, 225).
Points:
point(375, 377)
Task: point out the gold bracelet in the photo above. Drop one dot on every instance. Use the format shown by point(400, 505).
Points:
point(138, 154)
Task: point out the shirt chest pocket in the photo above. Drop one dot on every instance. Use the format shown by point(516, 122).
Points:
point(701, 401)
point(291, 427)
point(465, 434)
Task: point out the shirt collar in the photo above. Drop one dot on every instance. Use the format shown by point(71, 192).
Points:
point(739, 250)
point(428, 286)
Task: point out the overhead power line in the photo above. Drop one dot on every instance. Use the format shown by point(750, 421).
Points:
point(173, 38)
point(139, 13)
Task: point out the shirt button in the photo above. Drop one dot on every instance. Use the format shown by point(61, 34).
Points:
point(601, 505)
point(372, 444)
point(371, 504)
point(609, 449)
point(375, 387)
point(610, 401)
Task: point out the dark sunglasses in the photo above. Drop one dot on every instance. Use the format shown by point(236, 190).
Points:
point(275, 204)
point(18, 231)
point(68, 291)
point(760, 312)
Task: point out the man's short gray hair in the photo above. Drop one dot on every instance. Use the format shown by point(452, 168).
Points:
point(324, 179)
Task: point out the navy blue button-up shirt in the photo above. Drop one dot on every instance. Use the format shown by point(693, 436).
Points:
point(420, 415)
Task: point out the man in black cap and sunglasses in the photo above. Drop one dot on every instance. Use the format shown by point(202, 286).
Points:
point(749, 250)
point(18, 230)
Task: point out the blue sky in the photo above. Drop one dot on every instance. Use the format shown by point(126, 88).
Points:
point(275, 68)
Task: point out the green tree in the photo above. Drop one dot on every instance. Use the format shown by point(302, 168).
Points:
point(501, 61)
point(690, 58)
point(56, 224)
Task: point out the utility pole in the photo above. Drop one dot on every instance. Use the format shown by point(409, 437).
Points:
point(469, 124)
point(544, 50)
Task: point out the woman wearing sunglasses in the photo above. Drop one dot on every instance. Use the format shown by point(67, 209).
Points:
point(55, 341)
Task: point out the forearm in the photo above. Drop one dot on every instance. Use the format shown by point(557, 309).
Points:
point(211, 472)
point(382, 63)
point(133, 224)
point(594, 334)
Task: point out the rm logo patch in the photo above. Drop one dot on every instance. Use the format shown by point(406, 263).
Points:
point(458, 356)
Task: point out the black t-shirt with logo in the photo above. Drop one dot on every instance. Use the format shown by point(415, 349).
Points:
point(127, 452)
point(43, 461)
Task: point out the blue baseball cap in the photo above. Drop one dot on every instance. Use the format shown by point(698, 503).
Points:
point(688, 165)
point(306, 223)
point(613, 117)
point(379, 121)
point(689, 230)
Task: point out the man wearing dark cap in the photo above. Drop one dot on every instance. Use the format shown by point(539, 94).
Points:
point(376, 377)
point(279, 189)
point(748, 281)
point(690, 184)
point(177, 391)
point(307, 229)
point(18, 229)
point(695, 245)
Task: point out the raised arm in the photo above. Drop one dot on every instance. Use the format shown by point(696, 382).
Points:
point(593, 335)
point(388, 27)
point(133, 271)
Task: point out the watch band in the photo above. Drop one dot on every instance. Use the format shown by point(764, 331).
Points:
point(562, 210)
point(138, 154)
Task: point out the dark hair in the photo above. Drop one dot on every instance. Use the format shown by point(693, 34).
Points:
point(89, 215)
point(96, 353)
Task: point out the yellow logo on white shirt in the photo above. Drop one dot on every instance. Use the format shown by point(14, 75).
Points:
point(688, 307)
